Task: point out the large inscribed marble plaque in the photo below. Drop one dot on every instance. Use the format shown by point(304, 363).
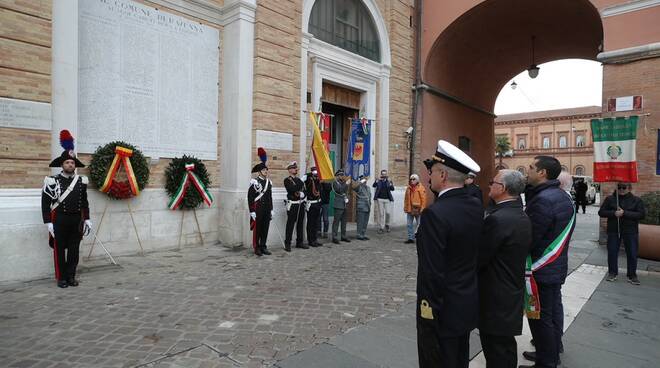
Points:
point(146, 77)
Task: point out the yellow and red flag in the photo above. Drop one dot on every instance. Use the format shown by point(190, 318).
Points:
point(321, 157)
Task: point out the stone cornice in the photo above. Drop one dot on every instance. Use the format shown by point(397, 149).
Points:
point(548, 119)
point(627, 55)
point(202, 9)
point(628, 7)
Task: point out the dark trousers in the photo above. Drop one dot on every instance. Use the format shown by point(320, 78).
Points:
point(581, 202)
point(324, 221)
point(631, 243)
point(362, 221)
point(434, 351)
point(339, 219)
point(313, 216)
point(295, 217)
point(67, 245)
point(546, 330)
point(260, 232)
point(500, 351)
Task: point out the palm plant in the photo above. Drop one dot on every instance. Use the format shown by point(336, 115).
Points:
point(502, 146)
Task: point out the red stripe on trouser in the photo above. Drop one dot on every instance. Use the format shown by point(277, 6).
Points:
point(57, 267)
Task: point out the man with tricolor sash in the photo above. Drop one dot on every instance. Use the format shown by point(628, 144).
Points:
point(66, 212)
point(552, 214)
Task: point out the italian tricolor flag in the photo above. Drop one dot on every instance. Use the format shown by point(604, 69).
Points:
point(614, 149)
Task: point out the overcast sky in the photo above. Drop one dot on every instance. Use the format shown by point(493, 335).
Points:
point(560, 84)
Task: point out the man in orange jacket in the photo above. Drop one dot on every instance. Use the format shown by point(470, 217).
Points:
point(413, 205)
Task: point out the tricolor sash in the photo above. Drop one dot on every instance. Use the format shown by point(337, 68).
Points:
point(550, 254)
point(190, 177)
point(122, 156)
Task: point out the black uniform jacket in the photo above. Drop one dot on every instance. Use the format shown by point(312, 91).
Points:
point(506, 242)
point(294, 186)
point(633, 211)
point(447, 246)
point(313, 188)
point(265, 204)
point(75, 203)
point(474, 190)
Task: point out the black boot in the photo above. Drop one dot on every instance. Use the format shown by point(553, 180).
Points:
point(62, 283)
point(265, 251)
point(72, 282)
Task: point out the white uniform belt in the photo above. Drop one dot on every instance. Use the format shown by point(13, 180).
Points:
point(314, 201)
point(295, 202)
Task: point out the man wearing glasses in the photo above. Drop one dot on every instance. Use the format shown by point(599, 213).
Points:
point(623, 211)
point(448, 238)
point(506, 243)
point(552, 214)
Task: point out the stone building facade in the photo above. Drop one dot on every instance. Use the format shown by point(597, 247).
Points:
point(271, 69)
point(564, 134)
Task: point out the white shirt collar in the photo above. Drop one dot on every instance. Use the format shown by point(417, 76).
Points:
point(446, 190)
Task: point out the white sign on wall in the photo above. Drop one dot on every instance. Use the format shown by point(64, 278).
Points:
point(146, 77)
point(24, 114)
point(275, 140)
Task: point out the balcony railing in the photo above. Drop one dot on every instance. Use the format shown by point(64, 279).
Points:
point(553, 151)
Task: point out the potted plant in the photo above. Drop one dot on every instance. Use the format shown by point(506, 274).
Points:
point(649, 227)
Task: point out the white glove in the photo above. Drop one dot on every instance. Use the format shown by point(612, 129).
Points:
point(271, 214)
point(88, 225)
point(253, 215)
point(304, 177)
point(51, 229)
point(302, 195)
point(345, 200)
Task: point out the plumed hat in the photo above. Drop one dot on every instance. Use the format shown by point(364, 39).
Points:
point(67, 142)
point(263, 157)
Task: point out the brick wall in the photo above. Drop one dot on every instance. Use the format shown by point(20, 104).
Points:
point(25, 59)
point(639, 78)
point(277, 79)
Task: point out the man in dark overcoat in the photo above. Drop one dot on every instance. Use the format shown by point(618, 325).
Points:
point(507, 238)
point(448, 238)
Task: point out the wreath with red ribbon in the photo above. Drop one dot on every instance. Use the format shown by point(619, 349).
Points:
point(109, 159)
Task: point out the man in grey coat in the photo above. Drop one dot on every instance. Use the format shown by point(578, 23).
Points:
point(362, 205)
point(340, 188)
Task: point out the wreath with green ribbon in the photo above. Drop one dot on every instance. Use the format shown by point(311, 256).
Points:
point(187, 183)
point(105, 164)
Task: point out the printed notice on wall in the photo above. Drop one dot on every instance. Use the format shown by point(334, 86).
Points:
point(148, 78)
point(24, 114)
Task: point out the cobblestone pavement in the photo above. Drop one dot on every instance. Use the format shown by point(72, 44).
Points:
point(206, 306)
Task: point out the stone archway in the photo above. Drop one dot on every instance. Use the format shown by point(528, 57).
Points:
point(469, 61)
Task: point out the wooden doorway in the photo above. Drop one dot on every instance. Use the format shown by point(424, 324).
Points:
point(343, 104)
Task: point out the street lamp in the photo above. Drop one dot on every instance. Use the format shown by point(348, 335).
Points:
point(533, 69)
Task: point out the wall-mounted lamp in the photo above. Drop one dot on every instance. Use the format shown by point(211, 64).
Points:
point(409, 132)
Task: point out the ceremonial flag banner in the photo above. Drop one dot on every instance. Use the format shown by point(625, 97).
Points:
point(358, 149)
point(323, 163)
point(614, 149)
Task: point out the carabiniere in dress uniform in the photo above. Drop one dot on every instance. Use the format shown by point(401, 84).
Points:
point(66, 212)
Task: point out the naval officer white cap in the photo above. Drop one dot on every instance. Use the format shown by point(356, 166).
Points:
point(451, 156)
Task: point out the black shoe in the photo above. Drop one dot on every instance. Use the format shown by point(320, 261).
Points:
point(634, 280)
point(287, 247)
point(62, 283)
point(365, 238)
point(346, 240)
point(335, 241)
point(359, 238)
point(257, 252)
point(266, 252)
point(72, 282)
point(409, 241)
point(387, 228)
point(303, 246)
point(529, 355)
point(527, 366)
point(312, 245)
point(318, 244)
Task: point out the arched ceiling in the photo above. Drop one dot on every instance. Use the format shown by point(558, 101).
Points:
point(491, 43)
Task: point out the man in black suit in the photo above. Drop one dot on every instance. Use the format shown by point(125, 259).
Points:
point(506, 242)
point(447, 243)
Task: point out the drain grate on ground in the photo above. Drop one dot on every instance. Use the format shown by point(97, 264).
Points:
point(187, 354)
